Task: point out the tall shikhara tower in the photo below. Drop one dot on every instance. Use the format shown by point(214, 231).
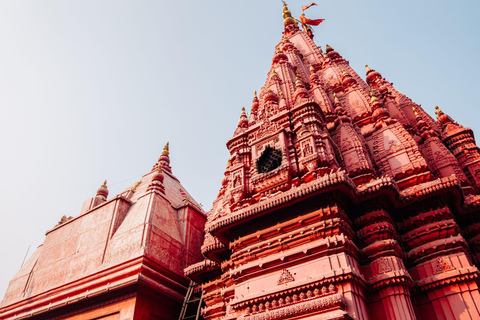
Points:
point(342, 199)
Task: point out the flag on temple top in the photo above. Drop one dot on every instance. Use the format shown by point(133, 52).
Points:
point(306, 7)
point(312, 22)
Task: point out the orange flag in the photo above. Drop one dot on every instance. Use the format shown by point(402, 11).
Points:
point(306, 7)
point(312, 22)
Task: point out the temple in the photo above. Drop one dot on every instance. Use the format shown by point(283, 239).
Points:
point(121, 258)
point(342, 199)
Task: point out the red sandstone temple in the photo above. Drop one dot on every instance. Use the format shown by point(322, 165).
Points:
point(120, 259)
point(342, 199)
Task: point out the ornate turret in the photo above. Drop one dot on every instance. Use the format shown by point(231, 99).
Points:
point(461, 142)
point(164, 160)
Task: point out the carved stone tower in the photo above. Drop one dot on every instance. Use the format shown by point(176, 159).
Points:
point(342, 199)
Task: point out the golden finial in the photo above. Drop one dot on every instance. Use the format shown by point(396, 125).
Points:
point(344, 72)
point(368, 68)
point(255, 93)
point(274, 73)
point(438, 111)
point(166, 151)
point(104, 185)
point(287, 15)
point(312, 68)
point(374, 98)
point(415, 111)
point(328, 48)
point(229, 163)
point(159, 168)
point(243, 110)
point(324, 54)
point(335, 98)
point(134, 187)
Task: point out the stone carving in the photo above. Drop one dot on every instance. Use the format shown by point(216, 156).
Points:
point(285, 277)
point(441, 265)
point(383, 266)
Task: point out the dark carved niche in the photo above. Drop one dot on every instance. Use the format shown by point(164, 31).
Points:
point(269, 160)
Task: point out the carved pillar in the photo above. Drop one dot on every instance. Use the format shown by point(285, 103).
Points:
point(389, 276)
point(439, 261)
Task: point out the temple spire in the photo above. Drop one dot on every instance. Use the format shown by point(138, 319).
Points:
point(102, 192)
point(164, 160)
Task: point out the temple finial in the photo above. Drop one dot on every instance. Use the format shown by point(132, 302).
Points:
point(287, 15)
point(367, 67)
point(166, 150)
point(438, 111)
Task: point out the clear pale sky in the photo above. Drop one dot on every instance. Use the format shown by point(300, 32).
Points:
point(92, 90)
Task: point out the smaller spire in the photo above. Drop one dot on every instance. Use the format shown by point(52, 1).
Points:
point(164, 159)
point(372, 75)
point(328, 48)
point(243, 122)
point(438, 112)
point(157, 180)
point(255, 104)
point(102, 192)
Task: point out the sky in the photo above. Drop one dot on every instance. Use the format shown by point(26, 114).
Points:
point(92, 90)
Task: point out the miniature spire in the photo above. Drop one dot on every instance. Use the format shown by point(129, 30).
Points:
point(443, 119)
point(102, 192)
point(255, 104)
point(347, 79)
point(157, 180)
point(423, 128)
point(372, 75)
point(243, 122)
point(438, 112)
point(380, 114)
point(300, 90)
point(164, 159)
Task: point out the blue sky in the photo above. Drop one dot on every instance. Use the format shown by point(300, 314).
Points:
point(92, 90)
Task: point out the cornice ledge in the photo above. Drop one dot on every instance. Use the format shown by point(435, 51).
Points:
point(328, 180)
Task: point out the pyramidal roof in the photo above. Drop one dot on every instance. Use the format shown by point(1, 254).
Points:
point(111, 244)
